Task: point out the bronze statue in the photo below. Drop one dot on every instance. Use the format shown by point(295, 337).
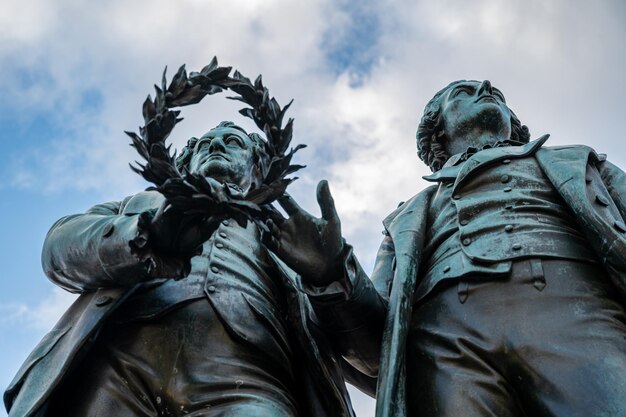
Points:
point(183, 310)
point(497, 291)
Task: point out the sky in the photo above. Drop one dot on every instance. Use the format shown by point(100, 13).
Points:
point(75, 73)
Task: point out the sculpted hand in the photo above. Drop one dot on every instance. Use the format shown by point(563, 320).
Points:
point(310, 246)
point(172, 233)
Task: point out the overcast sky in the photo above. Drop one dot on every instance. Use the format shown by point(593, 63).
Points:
point(74, 75)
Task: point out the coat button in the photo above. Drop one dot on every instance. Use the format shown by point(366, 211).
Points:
point(464, 222)
point(466, 241)
point(620, 226)
point(225, 222)
point(211, 288)
point(517, 246)
point(602, 201)
point(222, 234)
point(447, 268)
point(214, 269)
point(108, 230)
point(508, 228)
point(219, 245)
point(507, 189)
point(103, 300)
point(505, 178)
point(506, 161)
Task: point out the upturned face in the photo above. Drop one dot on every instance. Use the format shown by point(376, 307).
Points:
point(225, 154)
point(474, 114)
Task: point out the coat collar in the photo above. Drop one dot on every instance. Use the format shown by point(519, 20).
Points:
point(452, 172)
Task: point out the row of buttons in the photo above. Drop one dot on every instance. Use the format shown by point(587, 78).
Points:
point(219, 245)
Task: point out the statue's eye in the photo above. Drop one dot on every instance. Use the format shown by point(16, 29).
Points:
point(202, 143)
point(460, 91)
point(233, 140)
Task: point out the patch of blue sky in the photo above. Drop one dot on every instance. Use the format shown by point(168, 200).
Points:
point(351, 48)
point(26, 218)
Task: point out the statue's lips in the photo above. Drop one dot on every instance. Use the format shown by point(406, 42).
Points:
point(217, 156)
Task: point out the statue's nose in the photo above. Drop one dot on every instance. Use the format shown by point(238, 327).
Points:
point(485, 87)
point(217, 144)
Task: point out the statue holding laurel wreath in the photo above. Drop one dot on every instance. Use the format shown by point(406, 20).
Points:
point(182, 309)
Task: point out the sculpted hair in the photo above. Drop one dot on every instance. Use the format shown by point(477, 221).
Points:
point(431, 137)
point(260, 155)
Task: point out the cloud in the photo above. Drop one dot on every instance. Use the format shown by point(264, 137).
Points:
point(360, 75)
point(40, 317)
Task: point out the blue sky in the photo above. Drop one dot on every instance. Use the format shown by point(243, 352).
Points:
point(75, 75)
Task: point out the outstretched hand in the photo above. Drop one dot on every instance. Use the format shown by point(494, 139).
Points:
point(311, 246)
point(172, 233)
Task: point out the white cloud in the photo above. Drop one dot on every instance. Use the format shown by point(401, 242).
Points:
point(560, 65)
point(40, 317)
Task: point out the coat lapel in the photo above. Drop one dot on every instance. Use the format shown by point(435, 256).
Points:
point(407, 227)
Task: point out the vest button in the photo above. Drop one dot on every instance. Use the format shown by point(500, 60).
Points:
point(464, 222)
point(506, 161)
point(219, 245)
point(517, 246)
point(620, 226)
point(222, 234)
point(602, 201)
point(466, 241)
point(211, 288)
point(447, 269)
point(508, 228)
point(505, 178)
point(507, 189)
point(214, 269)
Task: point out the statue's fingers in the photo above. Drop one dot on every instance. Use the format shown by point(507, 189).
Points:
point(275, 216)
point(273, 228)
point(289, 205)
point(326, 202)
point(269, 239)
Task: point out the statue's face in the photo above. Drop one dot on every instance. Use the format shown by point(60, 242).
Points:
point(225, 154)
point(474, 114)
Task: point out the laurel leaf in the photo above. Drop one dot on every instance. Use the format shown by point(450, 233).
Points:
point(149, 110)
point(178, 82)
point(208, 68)
point(258, 83)
point(220, 73)
point(285, 137)
point(164, 80)
point(293, 168)
point(247, 112)
point(279, 119)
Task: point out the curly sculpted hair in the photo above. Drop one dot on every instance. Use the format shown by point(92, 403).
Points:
point(431, 137)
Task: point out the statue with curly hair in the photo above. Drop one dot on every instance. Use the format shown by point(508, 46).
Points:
point(497, 291)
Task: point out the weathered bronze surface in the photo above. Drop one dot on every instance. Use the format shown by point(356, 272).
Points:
point(497, 291)
point(182, 308)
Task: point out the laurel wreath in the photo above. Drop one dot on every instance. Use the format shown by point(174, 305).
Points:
point(192, 193)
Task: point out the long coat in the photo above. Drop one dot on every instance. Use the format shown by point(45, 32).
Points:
point(594, 190)
point(105, 279)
